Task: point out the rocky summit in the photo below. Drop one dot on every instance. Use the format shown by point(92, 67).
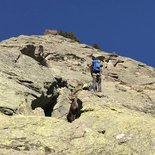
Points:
point(38, 74)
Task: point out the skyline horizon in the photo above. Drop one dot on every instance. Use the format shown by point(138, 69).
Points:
point(102, 49)
point(126, 27)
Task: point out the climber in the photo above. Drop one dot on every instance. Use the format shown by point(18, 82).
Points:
point(96, 71)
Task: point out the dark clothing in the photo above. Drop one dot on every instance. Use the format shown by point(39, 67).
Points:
point(96, 72)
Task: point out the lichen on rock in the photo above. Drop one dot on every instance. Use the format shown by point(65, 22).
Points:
point(37, 76)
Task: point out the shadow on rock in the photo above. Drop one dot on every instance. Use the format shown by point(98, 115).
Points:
point(46, 103)
point(35, 52)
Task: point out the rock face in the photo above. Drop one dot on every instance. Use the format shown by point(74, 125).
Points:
point(37, 76)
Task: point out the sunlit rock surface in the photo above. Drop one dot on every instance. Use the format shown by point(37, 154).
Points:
point(37, 75)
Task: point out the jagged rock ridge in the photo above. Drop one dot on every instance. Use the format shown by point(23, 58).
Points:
point(37, 75)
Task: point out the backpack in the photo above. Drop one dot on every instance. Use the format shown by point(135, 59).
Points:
point(96, 65)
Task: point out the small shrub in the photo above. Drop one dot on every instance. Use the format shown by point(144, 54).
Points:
point(70, 35)
point(96, 46)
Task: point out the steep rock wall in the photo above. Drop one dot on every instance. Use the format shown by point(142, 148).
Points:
point(37, 75)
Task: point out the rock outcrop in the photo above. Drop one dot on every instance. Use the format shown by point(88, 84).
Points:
point(37, 75)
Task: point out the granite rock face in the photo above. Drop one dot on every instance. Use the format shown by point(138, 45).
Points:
point(37, 76)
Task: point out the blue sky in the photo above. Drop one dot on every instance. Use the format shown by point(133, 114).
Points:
point(124, 26)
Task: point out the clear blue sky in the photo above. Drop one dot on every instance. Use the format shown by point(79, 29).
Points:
point(124, 26)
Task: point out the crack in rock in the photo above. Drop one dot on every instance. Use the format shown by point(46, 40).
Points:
point(7, 111)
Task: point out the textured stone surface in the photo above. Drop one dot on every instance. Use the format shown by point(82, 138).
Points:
point(37, 75)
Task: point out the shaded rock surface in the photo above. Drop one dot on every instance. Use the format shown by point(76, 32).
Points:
point(37, 75)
